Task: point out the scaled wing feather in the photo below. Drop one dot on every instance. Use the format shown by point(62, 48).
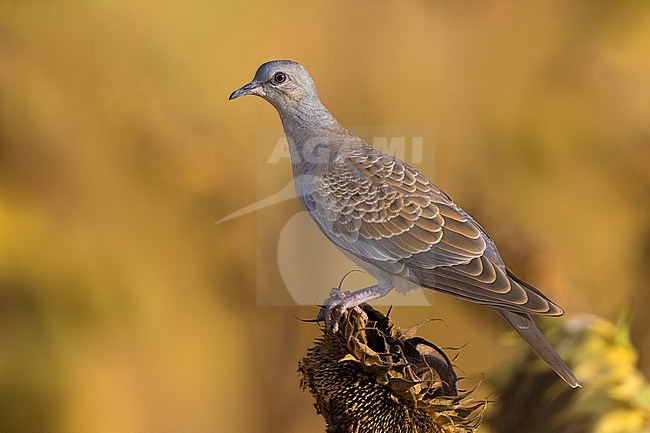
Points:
point(387, 213)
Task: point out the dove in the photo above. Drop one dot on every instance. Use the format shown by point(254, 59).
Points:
point(390, 219)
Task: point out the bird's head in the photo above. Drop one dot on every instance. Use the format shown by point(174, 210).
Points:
point(281, 82)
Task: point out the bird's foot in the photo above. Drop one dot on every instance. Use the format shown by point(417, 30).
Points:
point(338, 303)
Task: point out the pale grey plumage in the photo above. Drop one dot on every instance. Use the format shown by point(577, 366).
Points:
point(389, 218)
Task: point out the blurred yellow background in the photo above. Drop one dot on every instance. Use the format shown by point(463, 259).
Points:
point(124, 308)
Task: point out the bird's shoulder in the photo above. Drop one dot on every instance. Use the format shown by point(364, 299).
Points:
point(365, 173)
point(381, 207)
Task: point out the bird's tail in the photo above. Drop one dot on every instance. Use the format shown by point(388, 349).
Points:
point(526, 327)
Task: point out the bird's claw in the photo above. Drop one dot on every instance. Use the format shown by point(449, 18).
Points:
point(335, 306)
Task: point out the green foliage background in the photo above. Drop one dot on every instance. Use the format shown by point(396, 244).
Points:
point(123, 307)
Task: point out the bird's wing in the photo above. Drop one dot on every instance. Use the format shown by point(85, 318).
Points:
point(385, 212)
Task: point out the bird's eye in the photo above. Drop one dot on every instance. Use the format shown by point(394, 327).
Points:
point(279, 78)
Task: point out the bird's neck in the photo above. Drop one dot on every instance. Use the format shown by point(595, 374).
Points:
point(313, 134)
point(305, 115)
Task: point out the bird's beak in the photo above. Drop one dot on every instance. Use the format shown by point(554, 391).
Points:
point(252, 88)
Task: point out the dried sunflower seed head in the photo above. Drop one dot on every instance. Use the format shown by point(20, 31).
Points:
point(371, 377)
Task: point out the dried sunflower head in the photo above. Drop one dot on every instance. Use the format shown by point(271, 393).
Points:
point(372, 377)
